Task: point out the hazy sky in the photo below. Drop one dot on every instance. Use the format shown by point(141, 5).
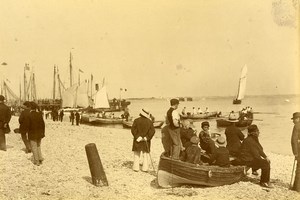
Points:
point(154, 48)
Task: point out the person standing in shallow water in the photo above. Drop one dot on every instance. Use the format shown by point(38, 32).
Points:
point(24, 125)
point(296, 149)
point(35, 133)
point(142, 131)
point(5, 116)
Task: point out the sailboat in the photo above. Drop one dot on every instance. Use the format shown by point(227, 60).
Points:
point(242, 86)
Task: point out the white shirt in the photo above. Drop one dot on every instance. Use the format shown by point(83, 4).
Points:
point(176, 118)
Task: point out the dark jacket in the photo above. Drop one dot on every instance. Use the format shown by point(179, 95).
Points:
point(170, 119)
point(295, 141)
point(186, 135)
point(143, 127)
point(193, 154)
point(221, 157)
point(24, 121)
point(251, 149)
point(234, 138)
point(36, 126)
point(5, 115)
point(206, 143)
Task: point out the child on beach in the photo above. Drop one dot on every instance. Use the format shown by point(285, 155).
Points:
point(193, 152)
point(221, 156)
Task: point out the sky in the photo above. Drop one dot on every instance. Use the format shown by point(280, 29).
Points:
point(154, 48)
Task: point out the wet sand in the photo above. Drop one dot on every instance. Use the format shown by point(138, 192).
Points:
point(65, 173)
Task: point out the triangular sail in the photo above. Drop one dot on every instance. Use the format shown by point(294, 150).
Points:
point(69, 97)
point(82, 99)
point(242, 83)
point(101, 100)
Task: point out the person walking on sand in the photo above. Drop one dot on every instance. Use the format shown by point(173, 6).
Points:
point(77, 118)
point(295, 141)
point(72, 116)
point(24, 125)
point(35, 133)
point(61, 115)
point(142, 131)
point(5, 115)
point(252, 155)
point(173, 120)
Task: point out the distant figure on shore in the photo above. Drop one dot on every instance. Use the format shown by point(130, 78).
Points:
point(35, 133)
point(61, 115)
point(173, 121)
point(221, 155)
point(252, 155)
point(234, 138)
point(142, 131)
point(206, 110)
point(77, 118)
point(199, 111)
point(5, 115)
point(24, 120)
point(72, 116)
point(295, 141)
point(126, 114)
point(194, 111)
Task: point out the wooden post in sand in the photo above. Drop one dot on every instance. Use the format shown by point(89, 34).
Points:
point(96, 168)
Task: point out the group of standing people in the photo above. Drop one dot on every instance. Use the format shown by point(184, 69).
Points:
point(32, 128)
point(75, 116)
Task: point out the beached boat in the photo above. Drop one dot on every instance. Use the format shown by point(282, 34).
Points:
point(172, 173)
point(200, 116)
point(156, 124)
point(238, 123)
point(242, 86)
point(101, 120)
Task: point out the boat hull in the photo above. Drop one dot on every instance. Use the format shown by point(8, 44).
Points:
point(240, 123)
point(237, 101)
point(173, 173)
point(200, 116)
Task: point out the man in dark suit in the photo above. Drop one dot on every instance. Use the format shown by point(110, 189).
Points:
point(296, 149)
point(142, 131)
point(234, 138)
point(5, 116)
point(24, 125)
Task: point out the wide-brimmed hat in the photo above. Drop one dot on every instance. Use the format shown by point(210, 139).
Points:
point(145, 112)
point(296, 115)
point(174, 102)
point(195, 140)
point(221, 141)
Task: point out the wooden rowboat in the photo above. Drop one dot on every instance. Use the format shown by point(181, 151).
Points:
point(238, 123)
point(156, 124)
point(172, 173)
point(200, 116)
point(93, 119)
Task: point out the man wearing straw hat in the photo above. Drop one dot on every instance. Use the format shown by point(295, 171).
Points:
point(142, 131)
point(296, 149)
point(5, 116)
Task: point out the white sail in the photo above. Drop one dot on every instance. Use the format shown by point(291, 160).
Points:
point(101, 100)
point(82, 99)
point(69, 97)
point(242, 83)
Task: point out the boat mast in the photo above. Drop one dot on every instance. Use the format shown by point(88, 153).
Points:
point(59, 87)
point(25, 85)
point(54, 81)
point(71, 70)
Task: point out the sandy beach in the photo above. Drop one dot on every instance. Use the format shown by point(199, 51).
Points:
point(65, 173)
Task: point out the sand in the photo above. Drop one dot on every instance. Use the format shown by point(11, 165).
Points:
point(65, 173)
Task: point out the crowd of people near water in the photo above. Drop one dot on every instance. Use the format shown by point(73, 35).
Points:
point(180, 139)
point(181, 142)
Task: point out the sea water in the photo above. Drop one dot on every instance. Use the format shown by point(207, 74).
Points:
point(273, 116)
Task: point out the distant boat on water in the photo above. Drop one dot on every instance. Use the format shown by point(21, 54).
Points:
point(242, 86)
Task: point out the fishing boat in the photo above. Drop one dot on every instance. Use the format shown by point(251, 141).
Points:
point(200, 116)
point(238, 123)
point(242, 86)
point(173, 173)
point(156, 124)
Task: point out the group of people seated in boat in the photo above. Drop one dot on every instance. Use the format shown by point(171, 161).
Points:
point(194, 111)
point(244, 114)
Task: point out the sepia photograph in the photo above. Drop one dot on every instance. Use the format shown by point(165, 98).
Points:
point(133, 99)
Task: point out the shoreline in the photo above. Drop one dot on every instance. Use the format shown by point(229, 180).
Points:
point(65, 173)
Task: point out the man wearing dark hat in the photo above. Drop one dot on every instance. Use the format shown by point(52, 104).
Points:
point(24, 125)
point(252, 155)
point(173, 121)
point(5, 116)
point(296, 149)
